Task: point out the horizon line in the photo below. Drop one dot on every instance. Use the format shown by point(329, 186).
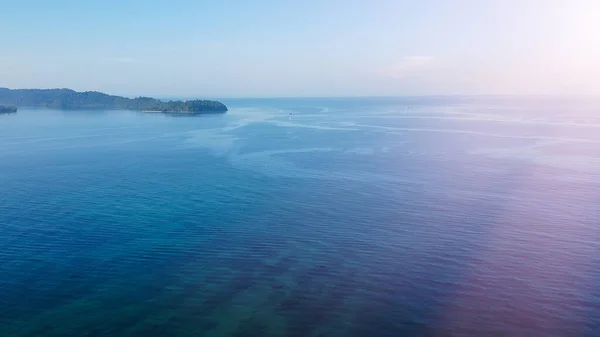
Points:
point(186, 96)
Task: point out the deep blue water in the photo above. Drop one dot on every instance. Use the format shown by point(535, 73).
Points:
point(349, 217)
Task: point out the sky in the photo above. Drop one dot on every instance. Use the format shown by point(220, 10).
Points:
point(292, 48)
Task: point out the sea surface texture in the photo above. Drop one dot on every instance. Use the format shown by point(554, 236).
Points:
point(304, 217)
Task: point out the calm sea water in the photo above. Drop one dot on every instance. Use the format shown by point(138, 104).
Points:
point(306, 217)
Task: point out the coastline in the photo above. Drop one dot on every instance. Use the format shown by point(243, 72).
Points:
point(67, 99)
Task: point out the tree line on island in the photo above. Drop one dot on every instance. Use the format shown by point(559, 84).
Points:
point(70, 99)
point(7, 108)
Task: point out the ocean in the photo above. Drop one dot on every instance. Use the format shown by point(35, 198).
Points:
point(354, 217)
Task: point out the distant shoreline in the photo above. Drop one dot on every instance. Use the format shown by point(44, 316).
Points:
point(7, 109)
point(67, 99)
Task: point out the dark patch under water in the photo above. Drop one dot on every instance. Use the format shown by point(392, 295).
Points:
point(350, 217)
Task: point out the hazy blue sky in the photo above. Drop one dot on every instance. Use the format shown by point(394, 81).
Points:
point(226, 48)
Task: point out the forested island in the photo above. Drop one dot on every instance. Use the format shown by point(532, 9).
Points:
point(69, 99)
point(7, 109)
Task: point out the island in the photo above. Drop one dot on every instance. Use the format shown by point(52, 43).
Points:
point(67, 99)
point(7, 109)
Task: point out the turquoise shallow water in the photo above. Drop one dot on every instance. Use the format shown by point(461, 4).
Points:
point(347, 217)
